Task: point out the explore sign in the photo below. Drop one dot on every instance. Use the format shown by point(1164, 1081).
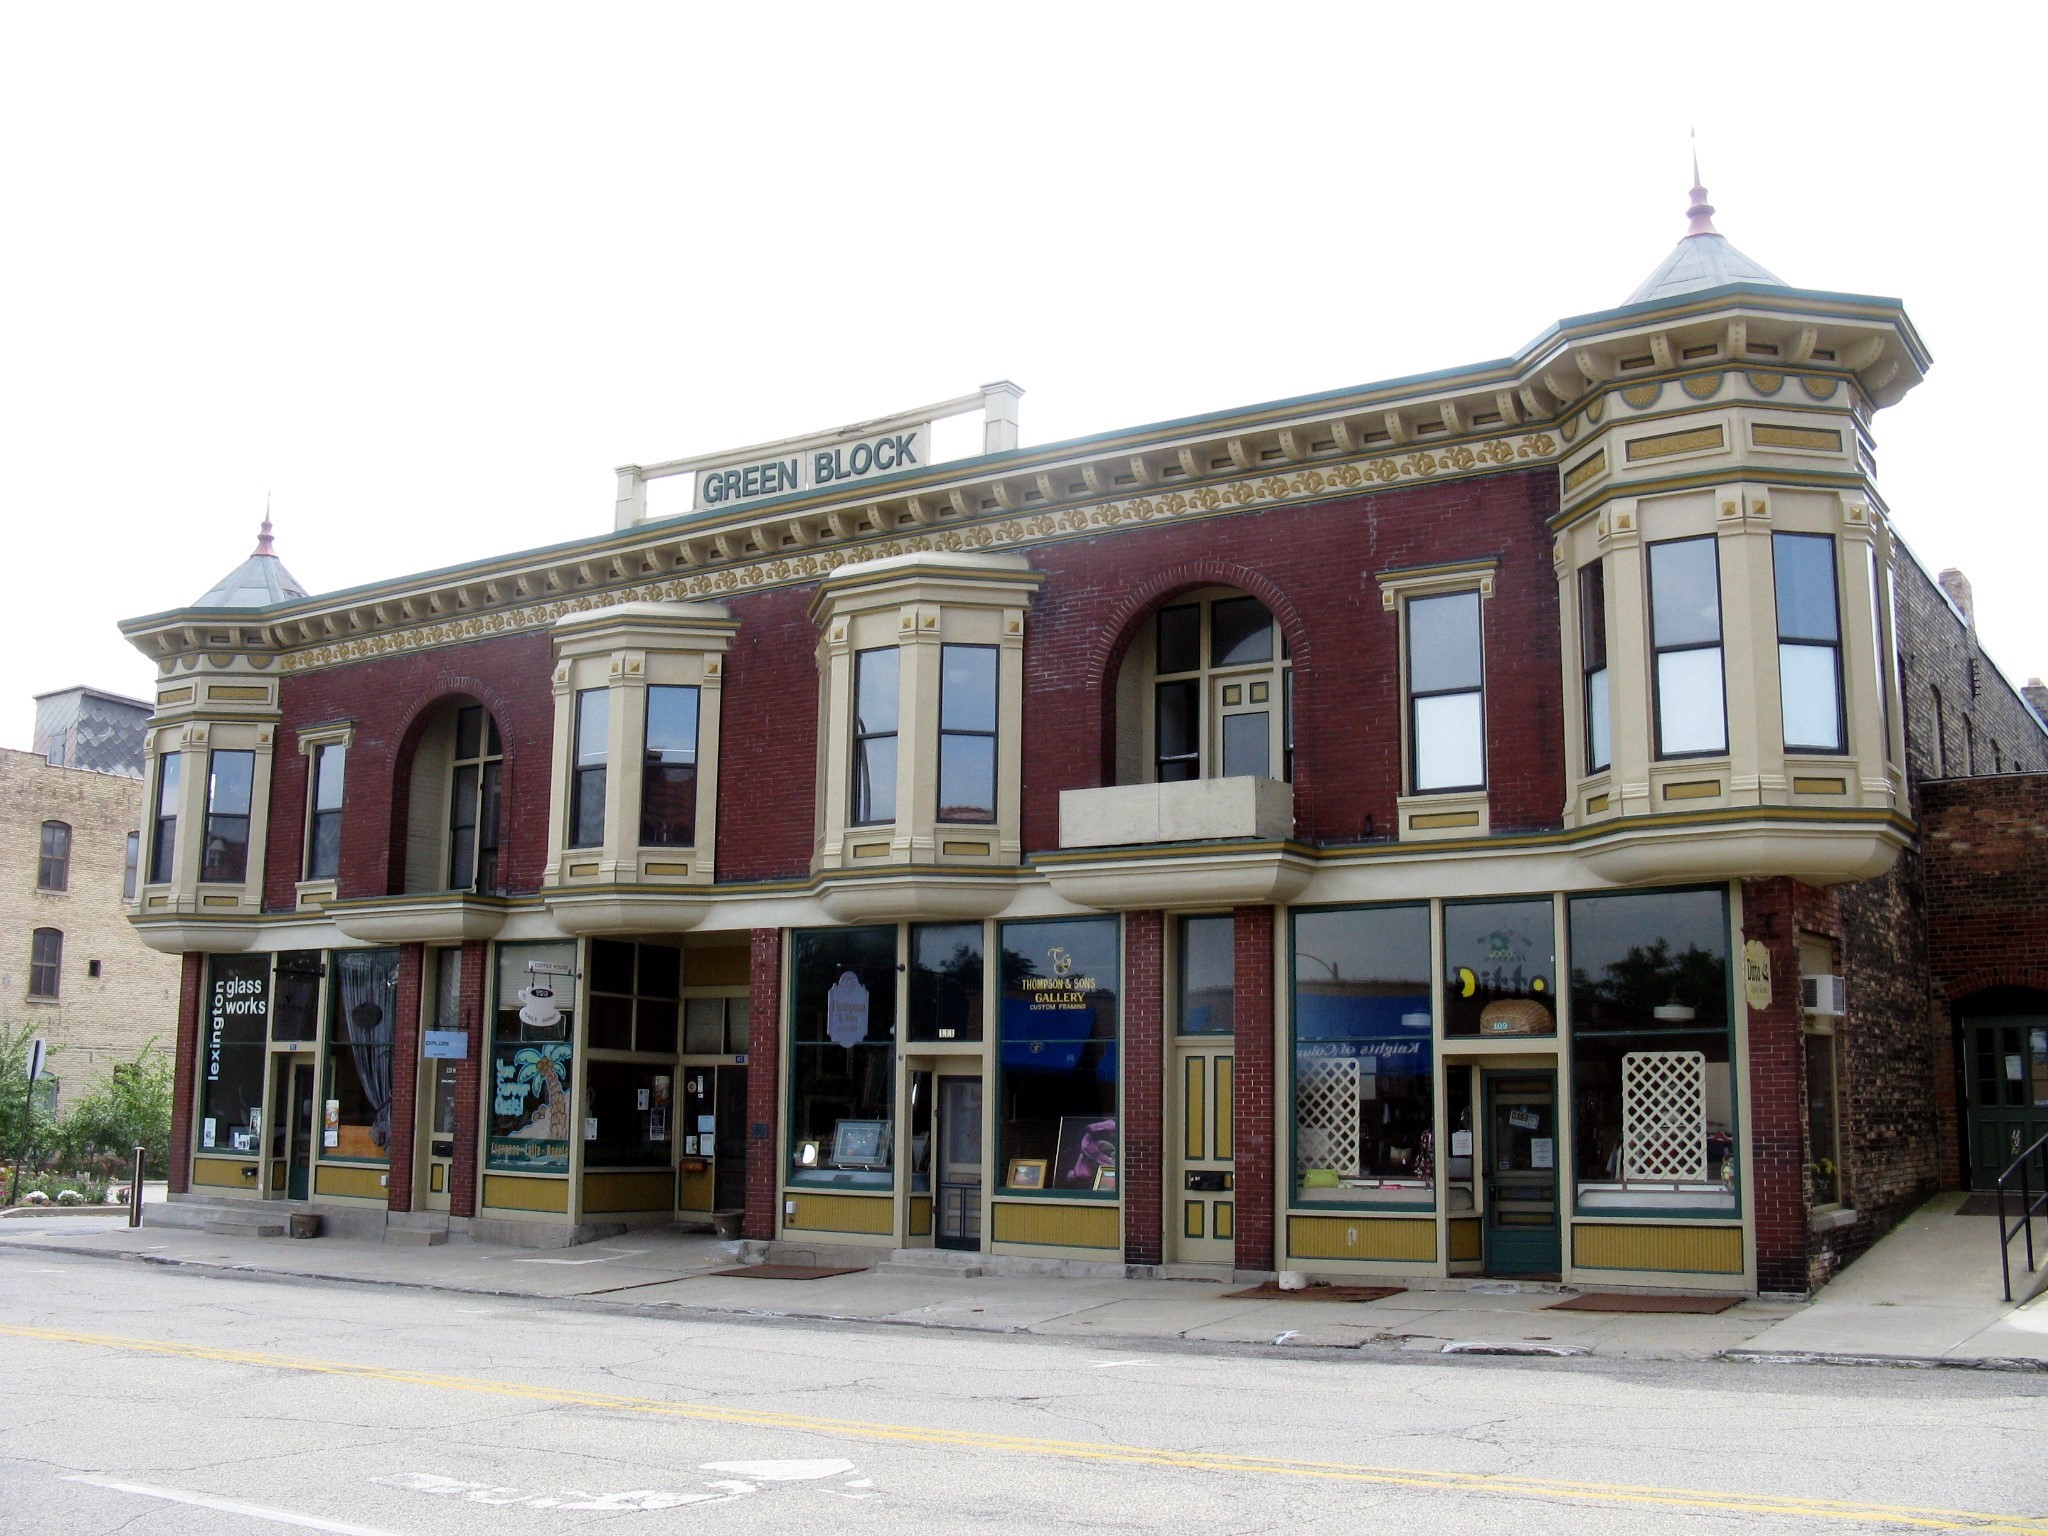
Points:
point(814, 468)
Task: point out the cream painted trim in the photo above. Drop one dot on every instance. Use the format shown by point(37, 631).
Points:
point(335, 733)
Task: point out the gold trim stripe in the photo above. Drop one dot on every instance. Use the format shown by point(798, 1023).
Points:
point(1765, 435)
point(1693, 789)
point(1802, 786)
point(1663, 445)
point(1585, 470)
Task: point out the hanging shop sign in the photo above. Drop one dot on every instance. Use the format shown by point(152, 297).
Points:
point(813, 468)
point(846, 1011)
point(445, 1045)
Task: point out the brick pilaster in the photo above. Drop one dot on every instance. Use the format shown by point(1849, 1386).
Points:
point(405, 1077)
point(469, 1078)
point(1253, 1106)
point(1775, 1167)
point(191, 994)
point(764, 1078)
point(1144, 1059)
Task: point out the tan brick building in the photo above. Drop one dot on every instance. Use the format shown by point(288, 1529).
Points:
point(70, 964)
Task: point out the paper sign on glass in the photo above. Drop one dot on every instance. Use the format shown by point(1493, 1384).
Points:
point(1461, 1143)
point(1542, 1152)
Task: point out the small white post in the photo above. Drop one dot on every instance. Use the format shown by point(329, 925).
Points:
point(999, 416)
point(632, 503)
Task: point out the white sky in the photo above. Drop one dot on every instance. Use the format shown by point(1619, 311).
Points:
point(425, 273)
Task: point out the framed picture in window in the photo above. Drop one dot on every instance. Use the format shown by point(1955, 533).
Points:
point(860, 1144)
point(1105, 1181)
point(1027, 1173)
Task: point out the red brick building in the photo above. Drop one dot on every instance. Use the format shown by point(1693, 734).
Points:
point(1461, 825)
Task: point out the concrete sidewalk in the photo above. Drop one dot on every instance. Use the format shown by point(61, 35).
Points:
point(1927, 1295)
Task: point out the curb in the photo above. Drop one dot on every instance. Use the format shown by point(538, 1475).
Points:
point(2012, 1365)
point(2018, 1364)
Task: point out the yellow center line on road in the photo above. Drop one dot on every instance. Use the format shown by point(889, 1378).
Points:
point(1499, 1485)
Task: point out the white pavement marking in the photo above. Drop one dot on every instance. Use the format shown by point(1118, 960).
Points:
point(1105, 1365)
point(230, 1506)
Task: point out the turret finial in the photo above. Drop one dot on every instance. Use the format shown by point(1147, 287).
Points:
point(263, 538)
point(1701, 213)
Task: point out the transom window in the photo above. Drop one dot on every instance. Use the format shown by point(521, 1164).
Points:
point(1222, 696)
point(473, 801)
point(53, 868)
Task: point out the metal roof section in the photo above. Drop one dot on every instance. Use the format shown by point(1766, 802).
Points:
point(258, 582)
point(1703, 258)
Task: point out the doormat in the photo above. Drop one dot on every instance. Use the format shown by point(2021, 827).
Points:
point(1987, 1205)
point(1606, 1301)
point(784, 1272)
point(1270, 1291)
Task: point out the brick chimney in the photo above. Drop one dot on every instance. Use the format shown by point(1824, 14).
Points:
point(1957, 586)
point(2037, 695)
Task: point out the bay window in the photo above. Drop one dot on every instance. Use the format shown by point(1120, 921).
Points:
point(668, 775)
point(230, 786)
point(1685, 638)
point(876, 709)
point(967, 733)
point(1809, 642)
point(163, 841)
point(586, 789)
point(1446, 694)
point(1593, 665)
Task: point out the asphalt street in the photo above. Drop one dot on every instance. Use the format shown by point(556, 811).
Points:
point(147, 1400)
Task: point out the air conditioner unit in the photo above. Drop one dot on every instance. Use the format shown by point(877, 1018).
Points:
point(1822, 995)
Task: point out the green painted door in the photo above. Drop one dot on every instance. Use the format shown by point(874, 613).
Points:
point(298, 1178)
point(2007, 1070)
point(1521, 1157)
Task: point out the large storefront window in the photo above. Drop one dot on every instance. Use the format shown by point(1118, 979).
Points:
point(1500, 968)
point(295, 1019)
point(1653, 1093)
point(531, 1043)
point(629, 1080)
point(362, 1020)
point(1059, 1126)
point(842, 1057)
point(231, 1080)
point(945, 981)
point(1364, 1113)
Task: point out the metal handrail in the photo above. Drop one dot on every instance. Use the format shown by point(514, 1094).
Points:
point(2031, 1205)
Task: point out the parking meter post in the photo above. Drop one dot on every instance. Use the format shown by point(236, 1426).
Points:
point(135, 1192)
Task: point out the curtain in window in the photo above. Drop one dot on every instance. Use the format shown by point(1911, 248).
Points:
point(369, 1003)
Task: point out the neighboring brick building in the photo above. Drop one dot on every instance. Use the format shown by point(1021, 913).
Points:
point(1418, 830)
point(75, 969)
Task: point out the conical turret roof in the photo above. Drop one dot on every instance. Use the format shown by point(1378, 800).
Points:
point(1703, 258)
point(257, 582)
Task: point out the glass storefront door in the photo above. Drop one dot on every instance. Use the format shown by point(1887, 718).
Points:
point(440, 1135)
point(1521, 1156)
point(957, 1197)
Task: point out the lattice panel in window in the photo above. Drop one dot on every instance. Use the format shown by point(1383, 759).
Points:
point(1326, 1115)
point(1664, 1115)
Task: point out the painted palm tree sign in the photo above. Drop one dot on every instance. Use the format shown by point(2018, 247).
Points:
point(530, 1105)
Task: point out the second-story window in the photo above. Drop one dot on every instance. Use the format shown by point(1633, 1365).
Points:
point(1685, 635)
point(1446, 694)
point(53, 868)
point(131, 865)
point(1809, 642)
point(1221, 705)
point(473, 801)
point(876, 709)
point(1593, 663)
point(967, 733)
point(45, 962)
point(586, 791)
point(668, 776)
point(163, 840)
point(230, 785)
point(323, 829)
